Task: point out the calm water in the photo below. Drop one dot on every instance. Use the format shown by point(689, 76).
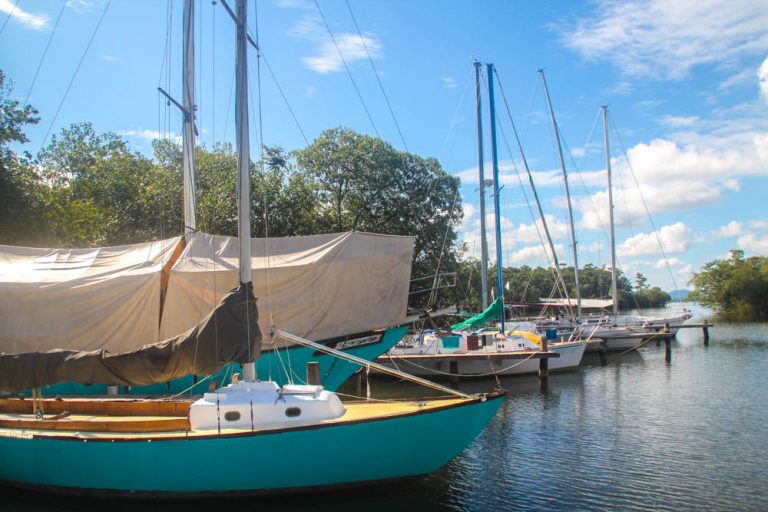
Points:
point(636, 433)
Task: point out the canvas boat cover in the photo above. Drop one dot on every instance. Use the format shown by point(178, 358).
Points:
point(229, 333)
point(316, 287)
point(81, 299)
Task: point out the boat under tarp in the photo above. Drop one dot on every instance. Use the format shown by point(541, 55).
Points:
point(323, 286)
point(230, 333)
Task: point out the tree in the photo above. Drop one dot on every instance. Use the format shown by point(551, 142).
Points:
point(736, 287)
point(22, 191)
point(363, 183)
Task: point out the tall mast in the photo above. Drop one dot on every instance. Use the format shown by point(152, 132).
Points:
point(555, 260)
point(188, 103)
point(483, 240)
point(614, 286)
point(243, 158)
point(567, 197)
point(496, 190)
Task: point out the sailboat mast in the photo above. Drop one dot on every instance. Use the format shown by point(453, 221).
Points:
point(614, 286)
point(188, 104)
point(243, 144)
point(567, 197)
point(496, 190)
point(480, 167)
point(243, 158)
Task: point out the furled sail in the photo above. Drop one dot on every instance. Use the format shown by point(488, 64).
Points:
point(490, 314)
point(316, 287)
point(230, 333)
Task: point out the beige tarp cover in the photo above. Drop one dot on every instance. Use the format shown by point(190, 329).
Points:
point(81, 299)
point(319, 286)
point(229, 333)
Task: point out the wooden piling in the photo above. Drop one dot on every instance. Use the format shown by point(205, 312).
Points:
point(453, 369)
point(544, 361)
point(313, 373)
point(705, 329)
point(667, 349)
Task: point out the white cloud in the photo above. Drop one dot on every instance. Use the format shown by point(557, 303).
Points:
point(352, 46)
point(758, 224)
point(672, 262)
point(534, 254)
point(753, 243)
point(448, 82)
point(28, 19)
point(79, 5)
point(762, 75)
point(663, 39)
point(108, 58)
point(733, 228)
point(673, 176)
point(680, 121)
point(149, 135)
point(672, 239)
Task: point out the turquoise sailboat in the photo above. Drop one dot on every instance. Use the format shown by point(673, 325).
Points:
point(141, 447)
point(82, 289)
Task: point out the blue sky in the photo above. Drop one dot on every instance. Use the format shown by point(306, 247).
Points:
point(686, 84)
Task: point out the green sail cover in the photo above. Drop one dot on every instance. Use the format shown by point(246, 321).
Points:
point(493, 312)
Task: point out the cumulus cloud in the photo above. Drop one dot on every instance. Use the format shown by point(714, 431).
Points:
point(662, 39)
point(733, 228)
point(448, 82)
point(669, 239)
point(672, 176)
point(28, 19)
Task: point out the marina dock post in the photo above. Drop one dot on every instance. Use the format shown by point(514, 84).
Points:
point(544, 361)
point(667, 343)
point(705, 330)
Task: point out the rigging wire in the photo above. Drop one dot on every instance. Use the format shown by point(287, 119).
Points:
point(376, 74)
point(645, 205)
point(213, 74)
point(349, 72)
point(10, 15)
point(74, 75)
point(45, 52)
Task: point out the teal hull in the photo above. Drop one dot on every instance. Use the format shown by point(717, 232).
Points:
point(275, 462)
point(270, 366)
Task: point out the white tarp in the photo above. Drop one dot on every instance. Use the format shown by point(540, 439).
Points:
point(317, 287)
point(81, 299)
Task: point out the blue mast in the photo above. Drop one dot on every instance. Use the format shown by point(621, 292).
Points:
point(496, 189)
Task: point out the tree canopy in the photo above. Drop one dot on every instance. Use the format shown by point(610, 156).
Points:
point(736, 287)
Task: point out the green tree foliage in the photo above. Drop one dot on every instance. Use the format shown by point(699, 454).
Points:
point(736, 287)
point(22, 193)
point(531, 284)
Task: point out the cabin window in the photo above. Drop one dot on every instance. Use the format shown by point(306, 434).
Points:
point(293, 412)
point(232, 415)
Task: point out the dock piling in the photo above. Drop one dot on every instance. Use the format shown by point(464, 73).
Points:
point(544, 361)
point(705, 329)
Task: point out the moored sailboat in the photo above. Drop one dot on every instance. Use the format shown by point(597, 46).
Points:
point(155, 448)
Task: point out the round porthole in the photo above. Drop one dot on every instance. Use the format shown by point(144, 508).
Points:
point(293, 412)
point(232, 415)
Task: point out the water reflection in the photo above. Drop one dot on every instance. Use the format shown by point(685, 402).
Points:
point(631, 433)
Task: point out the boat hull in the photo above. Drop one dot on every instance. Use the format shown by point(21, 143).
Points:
point(486, 364)
point(343, 454)
point(272, 365)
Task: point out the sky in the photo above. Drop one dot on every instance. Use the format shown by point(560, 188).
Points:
point(685, 83)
